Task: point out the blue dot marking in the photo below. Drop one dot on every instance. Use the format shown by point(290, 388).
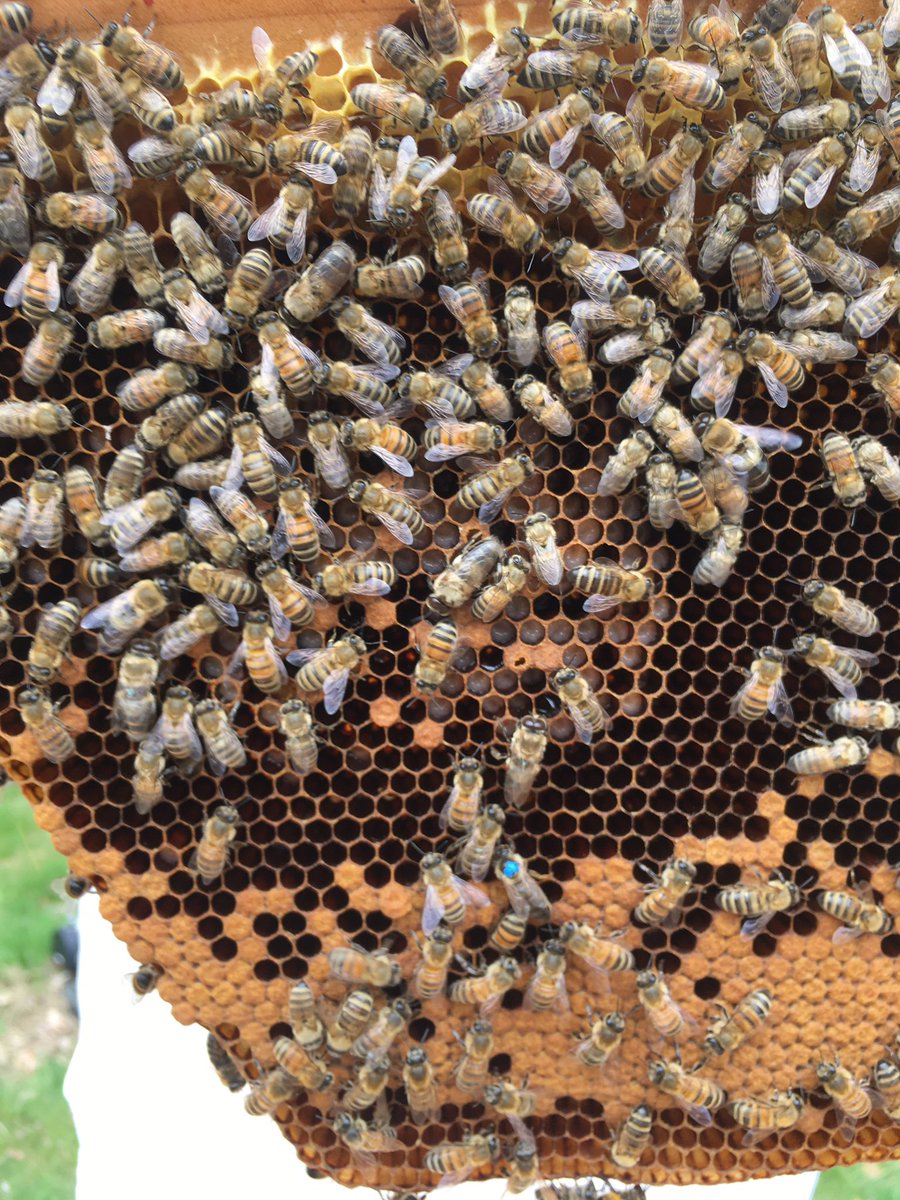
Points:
point(510, 869)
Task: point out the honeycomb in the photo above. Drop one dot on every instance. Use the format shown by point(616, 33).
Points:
point(335, 857)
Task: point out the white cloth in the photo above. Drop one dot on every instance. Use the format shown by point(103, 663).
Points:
point(153, 1119)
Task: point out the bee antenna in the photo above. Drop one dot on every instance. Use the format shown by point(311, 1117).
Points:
point(93, 18)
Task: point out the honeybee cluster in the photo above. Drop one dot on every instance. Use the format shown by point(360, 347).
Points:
point(320, 320)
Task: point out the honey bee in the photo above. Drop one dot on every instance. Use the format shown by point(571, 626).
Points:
point(421, 1086)
point(285, 222)
point(97, 572)
point(846, 270)
point(50, 645)
point(351, 188)
point(200, 317)
point(623, 136)
point(886, 1079)
point(223, 546)
point(610, 585)
point(730, 1030)
point(604, 1039)
point(810, 180)
point(692, 84)
point(250, 282)
point(176, 730)
point(352, 1015)
point(864, 220)
point(847, 55)
point(103, 161)
point(215, 846)
point(489, 116)
point(762, 1117)
point(450, 249)
point(622, 466)
point(615, 26)
point(487, 990)
point(198, 253)
point(398, 280)
point(392, 100)
point(666, 893)
point(154, 64)
point(132, 521)
point(842, 666)
point(722, 234)
point(843, 754)
point(456, 1161)
point(632, 1138)
point(540, 537)
point(249, 524)
point(568, 63)
point(872, 310)
point(151, 385)
point(253, 460)
point(446, 401)
point(883, 373)
point(567, 349)
point(149, 773)
point(446, 895)
point(843, 469)
point(39, 715)
point(773, 81)
point(138, 255)
point(704, 347)
point(489, 71)
point(759, 902)
point(35, 286)
point(670, 173)
point(441, 25)
point(861, 171)
point(33, 418)
point(352, 964)
point(436, 656)
point(599, 953)
point(477, 851)
point(597, 271)
point(461, 807)
point(231, 213)
point(33, 156)
point(395, 510)
point(320, 283)
point(672, 278)
point(490, 488)
point(853, 1099)
point(86, 212)
point(858, 912)
point(324, 441)
point(43, 523)
point(468, 303)
point(696, 1094)
point(509, 932)
point(258, 655)
point(527, 748)
point(767, 168)
point(756, 293)
point(741, 448)
point(591, 191)
point(472, 1070)
point(213, 353)
point(115, 330)
point(377, 1038)
point(555, 131)
point(301, 744)
point(283, 354)
point(354, 575)
point(542, 406)
point(446, 439)
point(828, 308)
point(779, 367)
point(764, 690)
point(278, 83)
point(153, 554)
point(182, 635)
point(865, 714)
point(12, 522)
point(329, 668)
point(14, 219)
point(466, 572)
point(274, 1088)
point(223, 747)
point(226, 1068)
point(299, 528)
point(202, 434)
point(661, 1010)
point(389, 442)
point(301, 1064)
point(727, 491)
point(546, 989)
point(430, 976)
point(525, 895)
point(583, 708)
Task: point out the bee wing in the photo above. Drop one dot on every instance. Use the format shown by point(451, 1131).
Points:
point(679, 205)
point(697, 1112)
point(774, 386)
point(502, 119)
point(332, 464)
point(101, 110)
point(769, 86)
point(767, 187)
point(394, 461)
point(876, 314)
point(744, 689)
point(14, 220)
point(262, 47)
point(452, 302)
point(755, 925)
point(779, 705)
point(399, 529)
point(326, 537)
point(224, 221)
point(558, 62)
point(548, 564)
point(582, 728)
point(334, 688)
point(847, 689)
point(601, 604)
point(470, 893)
point(27, 148)
point(802, 318)
point(407, 153)
point(491, 509)
point(281, 625)
point(815, 193)
point(593, 310)
point(846, 933)
point(202, 520)
point(372, 337)
point(304, 351)
point(200, 317)
point(772, 439)
point(103, 172)
point(268, 222)
point(97, 617)
point(430, 178)
point(432, 911)
point(486, 73)
point(151, 150)
point(379, 192)
point(57, 92)
point(16, 289)
point(561, 150)
point(863, 166)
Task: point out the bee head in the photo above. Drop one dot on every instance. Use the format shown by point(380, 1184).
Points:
point(758, 120)
point(645, 979)
point(640, 70)
point(561, 248)
point(521, 37)
point(803, 644)
point(502, 163)
point(450, 137)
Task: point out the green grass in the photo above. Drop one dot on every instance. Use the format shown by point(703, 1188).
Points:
point(37, 1140)
point(872, 1181)
point(29, 909)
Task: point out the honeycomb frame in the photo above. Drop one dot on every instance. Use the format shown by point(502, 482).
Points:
point(331, 858)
